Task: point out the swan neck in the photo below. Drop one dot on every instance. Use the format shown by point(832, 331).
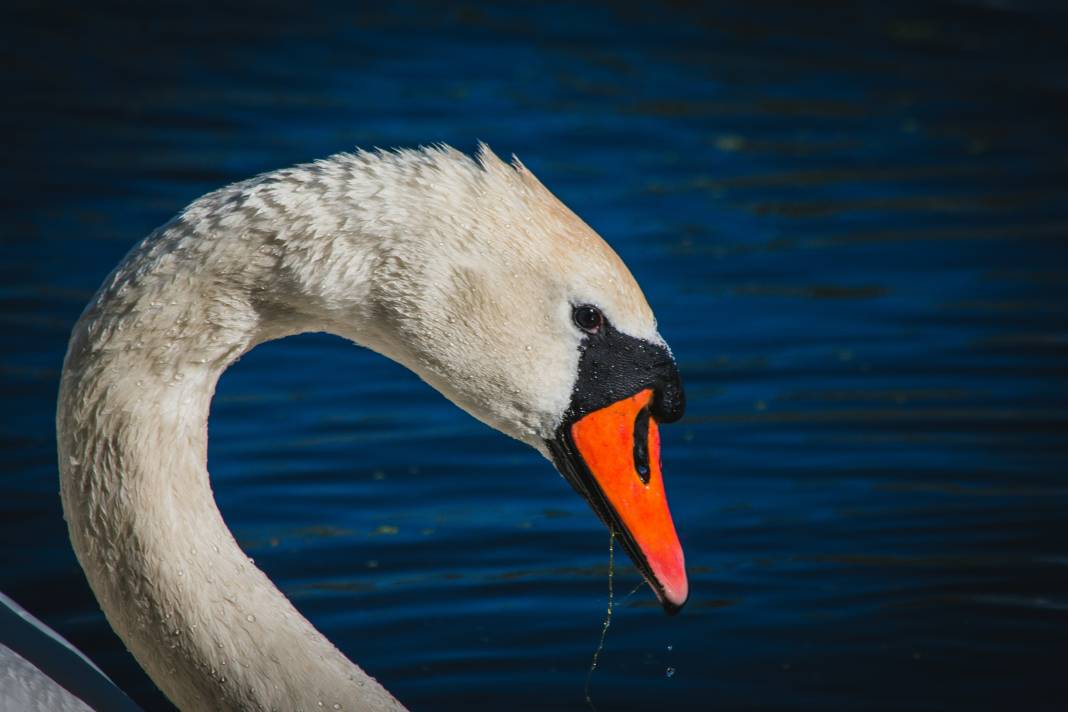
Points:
point(205, 623)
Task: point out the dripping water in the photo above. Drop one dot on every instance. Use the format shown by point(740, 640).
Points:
point(607, 617)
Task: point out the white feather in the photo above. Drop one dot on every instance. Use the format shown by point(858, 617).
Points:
point(463, 270)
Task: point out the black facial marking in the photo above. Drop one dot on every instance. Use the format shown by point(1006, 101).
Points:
point(641, 445)
point(614, 366)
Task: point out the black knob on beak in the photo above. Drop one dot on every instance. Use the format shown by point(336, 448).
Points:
point(669, 401)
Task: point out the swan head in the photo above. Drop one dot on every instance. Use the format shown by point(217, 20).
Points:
point(510, 305)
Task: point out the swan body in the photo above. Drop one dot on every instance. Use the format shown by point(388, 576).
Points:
point(41, 672)
point(466, 270)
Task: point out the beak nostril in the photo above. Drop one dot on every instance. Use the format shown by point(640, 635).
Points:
point(641, 445)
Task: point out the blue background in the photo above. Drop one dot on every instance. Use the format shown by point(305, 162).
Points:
point(850, 219)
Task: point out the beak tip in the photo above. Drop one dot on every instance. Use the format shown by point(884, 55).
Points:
point(674, 598)
point(671, 608)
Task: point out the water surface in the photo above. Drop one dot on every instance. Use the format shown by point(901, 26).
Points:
point(851, 221)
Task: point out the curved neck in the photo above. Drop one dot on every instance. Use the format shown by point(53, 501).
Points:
point(207, 625)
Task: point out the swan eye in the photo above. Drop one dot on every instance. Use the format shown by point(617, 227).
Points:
point(588, 318)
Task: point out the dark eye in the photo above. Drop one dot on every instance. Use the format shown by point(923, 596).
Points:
point(588, 318)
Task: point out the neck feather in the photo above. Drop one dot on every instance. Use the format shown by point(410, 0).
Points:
point(207, 625)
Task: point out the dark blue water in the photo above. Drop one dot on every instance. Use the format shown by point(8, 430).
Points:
point(851, 220)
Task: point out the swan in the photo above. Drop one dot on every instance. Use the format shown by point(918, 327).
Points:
point(466, 270)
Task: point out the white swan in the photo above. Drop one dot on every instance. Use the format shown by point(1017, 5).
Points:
point(467, 271)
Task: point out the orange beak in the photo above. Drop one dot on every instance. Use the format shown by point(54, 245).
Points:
point(619, 474)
